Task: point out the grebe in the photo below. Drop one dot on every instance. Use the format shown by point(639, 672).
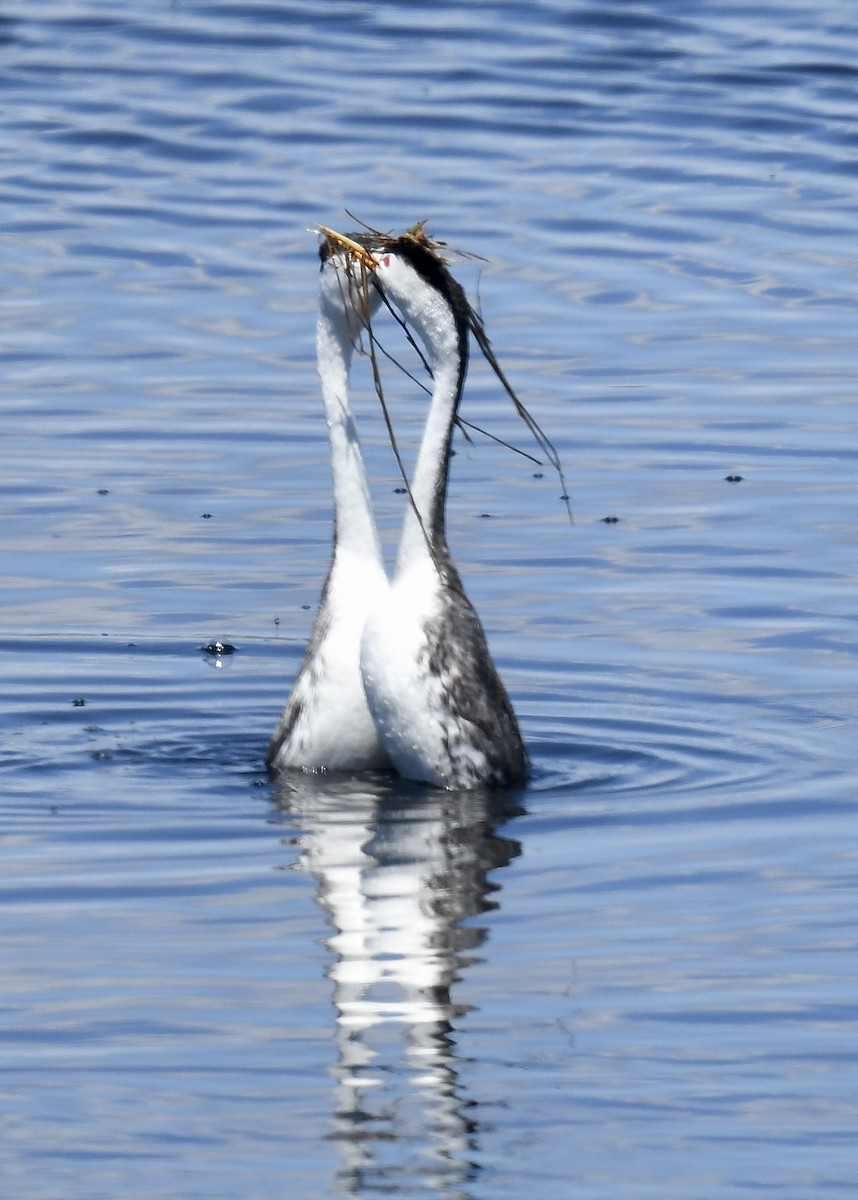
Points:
point(326, 724)
point(440, 709)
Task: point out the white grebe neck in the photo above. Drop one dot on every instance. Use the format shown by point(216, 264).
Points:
point(435, 307)
point(336, 331)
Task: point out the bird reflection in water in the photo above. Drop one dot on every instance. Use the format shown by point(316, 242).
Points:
point(399, 870)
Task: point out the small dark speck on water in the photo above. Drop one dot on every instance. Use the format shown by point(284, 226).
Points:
point(485, 516)
point(537, 475)
point(306, 607)
point(207, 516)
point(733, 478)
point(103, 492)
point(610, 520)
point(400, 491)
point(217, 648)
point(78, 702)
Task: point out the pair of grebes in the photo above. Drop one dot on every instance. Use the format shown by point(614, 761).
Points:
point(398, 673)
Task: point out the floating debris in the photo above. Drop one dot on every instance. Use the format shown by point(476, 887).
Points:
point(216, 649)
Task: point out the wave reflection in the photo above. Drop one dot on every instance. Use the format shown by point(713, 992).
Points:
point(398, 874)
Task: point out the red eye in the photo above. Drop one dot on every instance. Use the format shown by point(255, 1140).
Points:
point(386, 260)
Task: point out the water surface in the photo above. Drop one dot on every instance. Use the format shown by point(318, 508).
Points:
point(635, 977)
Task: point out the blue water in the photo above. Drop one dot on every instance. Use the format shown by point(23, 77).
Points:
point(637, 976)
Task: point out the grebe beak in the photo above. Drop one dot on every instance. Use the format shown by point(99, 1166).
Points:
point(355, 249)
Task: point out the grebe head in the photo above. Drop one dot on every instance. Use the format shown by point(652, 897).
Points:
point(345, 286)
point(413, 275)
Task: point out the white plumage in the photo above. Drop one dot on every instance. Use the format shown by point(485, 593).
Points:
point(398, 673)
point(439, 706)
point(326, 724)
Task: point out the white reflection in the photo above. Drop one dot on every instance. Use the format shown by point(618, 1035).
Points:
point(399, 868)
